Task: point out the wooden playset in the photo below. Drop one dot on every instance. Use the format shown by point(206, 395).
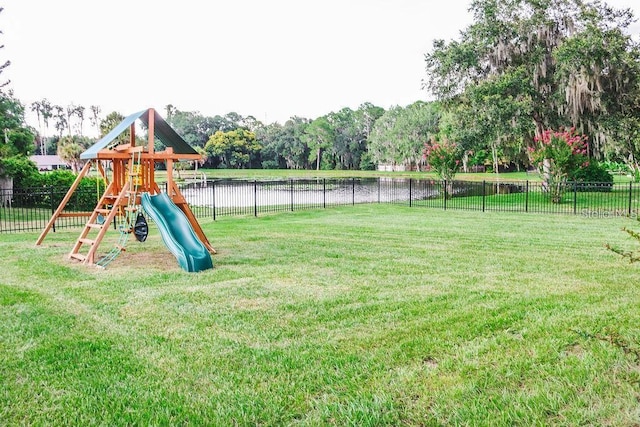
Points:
point(132, 174)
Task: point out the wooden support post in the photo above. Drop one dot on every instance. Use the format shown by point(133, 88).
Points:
point(132, 135)
point(170, 183)
point(152, 125)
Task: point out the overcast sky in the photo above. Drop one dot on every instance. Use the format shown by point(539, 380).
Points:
point(270, 59)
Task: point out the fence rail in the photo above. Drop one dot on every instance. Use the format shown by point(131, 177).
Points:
point(30, 209)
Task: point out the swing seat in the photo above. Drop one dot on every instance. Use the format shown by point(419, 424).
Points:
point(141, 228)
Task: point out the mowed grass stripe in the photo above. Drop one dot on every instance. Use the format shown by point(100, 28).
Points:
point(365, 315)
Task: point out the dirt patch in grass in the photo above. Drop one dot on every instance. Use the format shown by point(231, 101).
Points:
point(157, 260)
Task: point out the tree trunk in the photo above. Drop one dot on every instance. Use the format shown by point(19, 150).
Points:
point(546, 174)
point(6, 191)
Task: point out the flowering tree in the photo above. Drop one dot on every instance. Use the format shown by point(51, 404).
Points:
point(557, 154)
point(443, 158)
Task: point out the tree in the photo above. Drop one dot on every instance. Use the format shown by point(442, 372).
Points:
point(79, 113)
point(44, 112)
point(70, 148)
point(345, 151)
point(16, 139)
point(94, 119)
point(318, 136)
point(292, 145)
point(60, 118)
point(573, 57)
point(4, 65)
point(557, 155)
point(271, 137)
point(193, 126)
point(399, 136)
point(352, 129)
point(382, 140)
point(112, 120)
point(236, 148)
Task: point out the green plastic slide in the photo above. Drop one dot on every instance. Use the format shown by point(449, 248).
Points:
point(177, 233)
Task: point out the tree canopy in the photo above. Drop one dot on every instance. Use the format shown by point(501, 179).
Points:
point(524, 66)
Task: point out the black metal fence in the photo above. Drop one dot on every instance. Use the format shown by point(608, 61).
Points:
point(29, 210)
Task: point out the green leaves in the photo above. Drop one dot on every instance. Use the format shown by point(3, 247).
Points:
point(235, 147)
point(443, 158)
point(528, 65)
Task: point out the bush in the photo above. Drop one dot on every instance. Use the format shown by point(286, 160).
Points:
point(48, 189)
point(616, 167)
point(270, 164)
point(23, 171)
point(366, 162)
point(592, 177)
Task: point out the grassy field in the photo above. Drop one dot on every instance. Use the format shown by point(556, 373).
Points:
point(297, 174)
point(311, 174)
point(368, 315)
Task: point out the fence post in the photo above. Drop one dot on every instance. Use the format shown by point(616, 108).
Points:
point(630, 196)
point(291, 191)
point(353, 191)
point(324, 193)
point(255, 197)
point(444, 203)
point(575, 198)
point(526, 197)
point(410, 192)
point(213, 198)
point(484, 195)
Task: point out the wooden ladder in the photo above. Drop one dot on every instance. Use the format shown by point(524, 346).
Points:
point(88, 237)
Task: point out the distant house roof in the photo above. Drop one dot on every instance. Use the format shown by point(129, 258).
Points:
point(162, 131)
point(48, 162)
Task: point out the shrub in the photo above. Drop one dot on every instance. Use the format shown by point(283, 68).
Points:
point(48, 189)
point(632, 255)
point(592, 177)
point(23, 171)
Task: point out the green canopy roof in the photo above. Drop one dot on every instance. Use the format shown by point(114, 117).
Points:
point(162, 131)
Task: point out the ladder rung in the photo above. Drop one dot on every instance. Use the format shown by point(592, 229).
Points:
point(103, 211)
point(94, 225)
point(79, 257)
point(86, 241)
point(130, 209)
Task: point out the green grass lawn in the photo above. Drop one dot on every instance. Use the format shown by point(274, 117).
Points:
point(276, 174)
point(367, 315)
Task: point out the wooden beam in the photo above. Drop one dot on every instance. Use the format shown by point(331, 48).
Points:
point(152, 125)
point(74, 214)
point(169, 160)
point(102, 172)
point(120, 200)
point(132, 134)
point(64, 202)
